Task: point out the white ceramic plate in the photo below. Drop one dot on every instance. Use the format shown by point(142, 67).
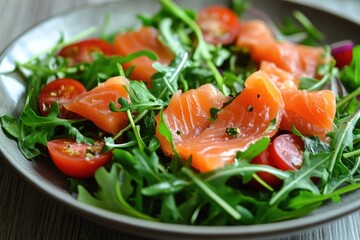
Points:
point(45, 177)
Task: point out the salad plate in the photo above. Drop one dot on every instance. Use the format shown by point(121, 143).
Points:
point(42, 174)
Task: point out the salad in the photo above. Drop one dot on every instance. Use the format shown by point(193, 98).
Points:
point(197, 117)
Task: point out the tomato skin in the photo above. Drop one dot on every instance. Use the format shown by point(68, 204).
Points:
point(265, 159)
point(61, 90)
point(77, 160)
point(286, 150)
point(80, 52)
point(219, 24)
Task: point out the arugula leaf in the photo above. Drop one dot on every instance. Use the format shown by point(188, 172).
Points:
point(109, 196)
point(306, 198)
point(253, 150)
point(211, 193)
point(166, 79)
point(343, 138)
point(350, 75)
point(32, 129)
point(239, 6)
point(298, 24)
point(242, 168)
point(313, 166)
point(201, 51)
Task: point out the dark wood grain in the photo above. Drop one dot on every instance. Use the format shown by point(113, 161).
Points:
point(25, 213)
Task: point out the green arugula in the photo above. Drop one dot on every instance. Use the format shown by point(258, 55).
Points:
point(350, 75)
point(141, 182)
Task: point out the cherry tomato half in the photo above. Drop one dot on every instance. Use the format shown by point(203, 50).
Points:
point(78, 160)
point(270, 179)
point(286, 150)
point(82, 51)
point(219, 24)
point(61, 90)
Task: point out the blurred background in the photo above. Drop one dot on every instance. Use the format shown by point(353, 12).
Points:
point(18, 15)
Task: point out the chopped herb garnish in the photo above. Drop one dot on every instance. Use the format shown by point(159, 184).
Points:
point(233, 131)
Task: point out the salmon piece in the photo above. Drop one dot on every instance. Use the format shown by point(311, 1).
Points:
point(282, 79)
point(188, 114)
point(250, 114)
point(94, 105)
point(312, 113)
point(299, 60)
point(146, 38)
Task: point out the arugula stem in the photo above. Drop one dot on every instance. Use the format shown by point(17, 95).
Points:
point(122, 145)
point(310, 28)
point(180, 13)
point(348, 97)
point(263, 183)
point(351, 173)
point(356, 167)
point(201, 51)
point(139, 198)
point(176, 73)
point(339, 146)
point(283, 190)
point(180, 66)
point(351, 154)
point(168, 85)
point(136, 132)
point(243, 169)
point(320, 83)
point(128, 209)
point(210, 193)
point(219, 79)
point(195, 215)
point(136, 120)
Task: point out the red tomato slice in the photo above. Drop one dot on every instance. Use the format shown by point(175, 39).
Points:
point(219, 24)
point(264, 159)
point(286, 150)
point(78, 160)
point(82, 51)
point(62, 91)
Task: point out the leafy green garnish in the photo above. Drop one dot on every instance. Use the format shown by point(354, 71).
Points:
point(141, 182)
point(350, 75)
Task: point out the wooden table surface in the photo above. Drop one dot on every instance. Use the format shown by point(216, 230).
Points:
point(26, 213)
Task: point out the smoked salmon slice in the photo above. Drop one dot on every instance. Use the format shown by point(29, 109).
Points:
point(282, 79)
point(299, 60)
point(188, 114)
point(249, 116)
point(312, 113)
point(94, 105)
point(146, 38)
